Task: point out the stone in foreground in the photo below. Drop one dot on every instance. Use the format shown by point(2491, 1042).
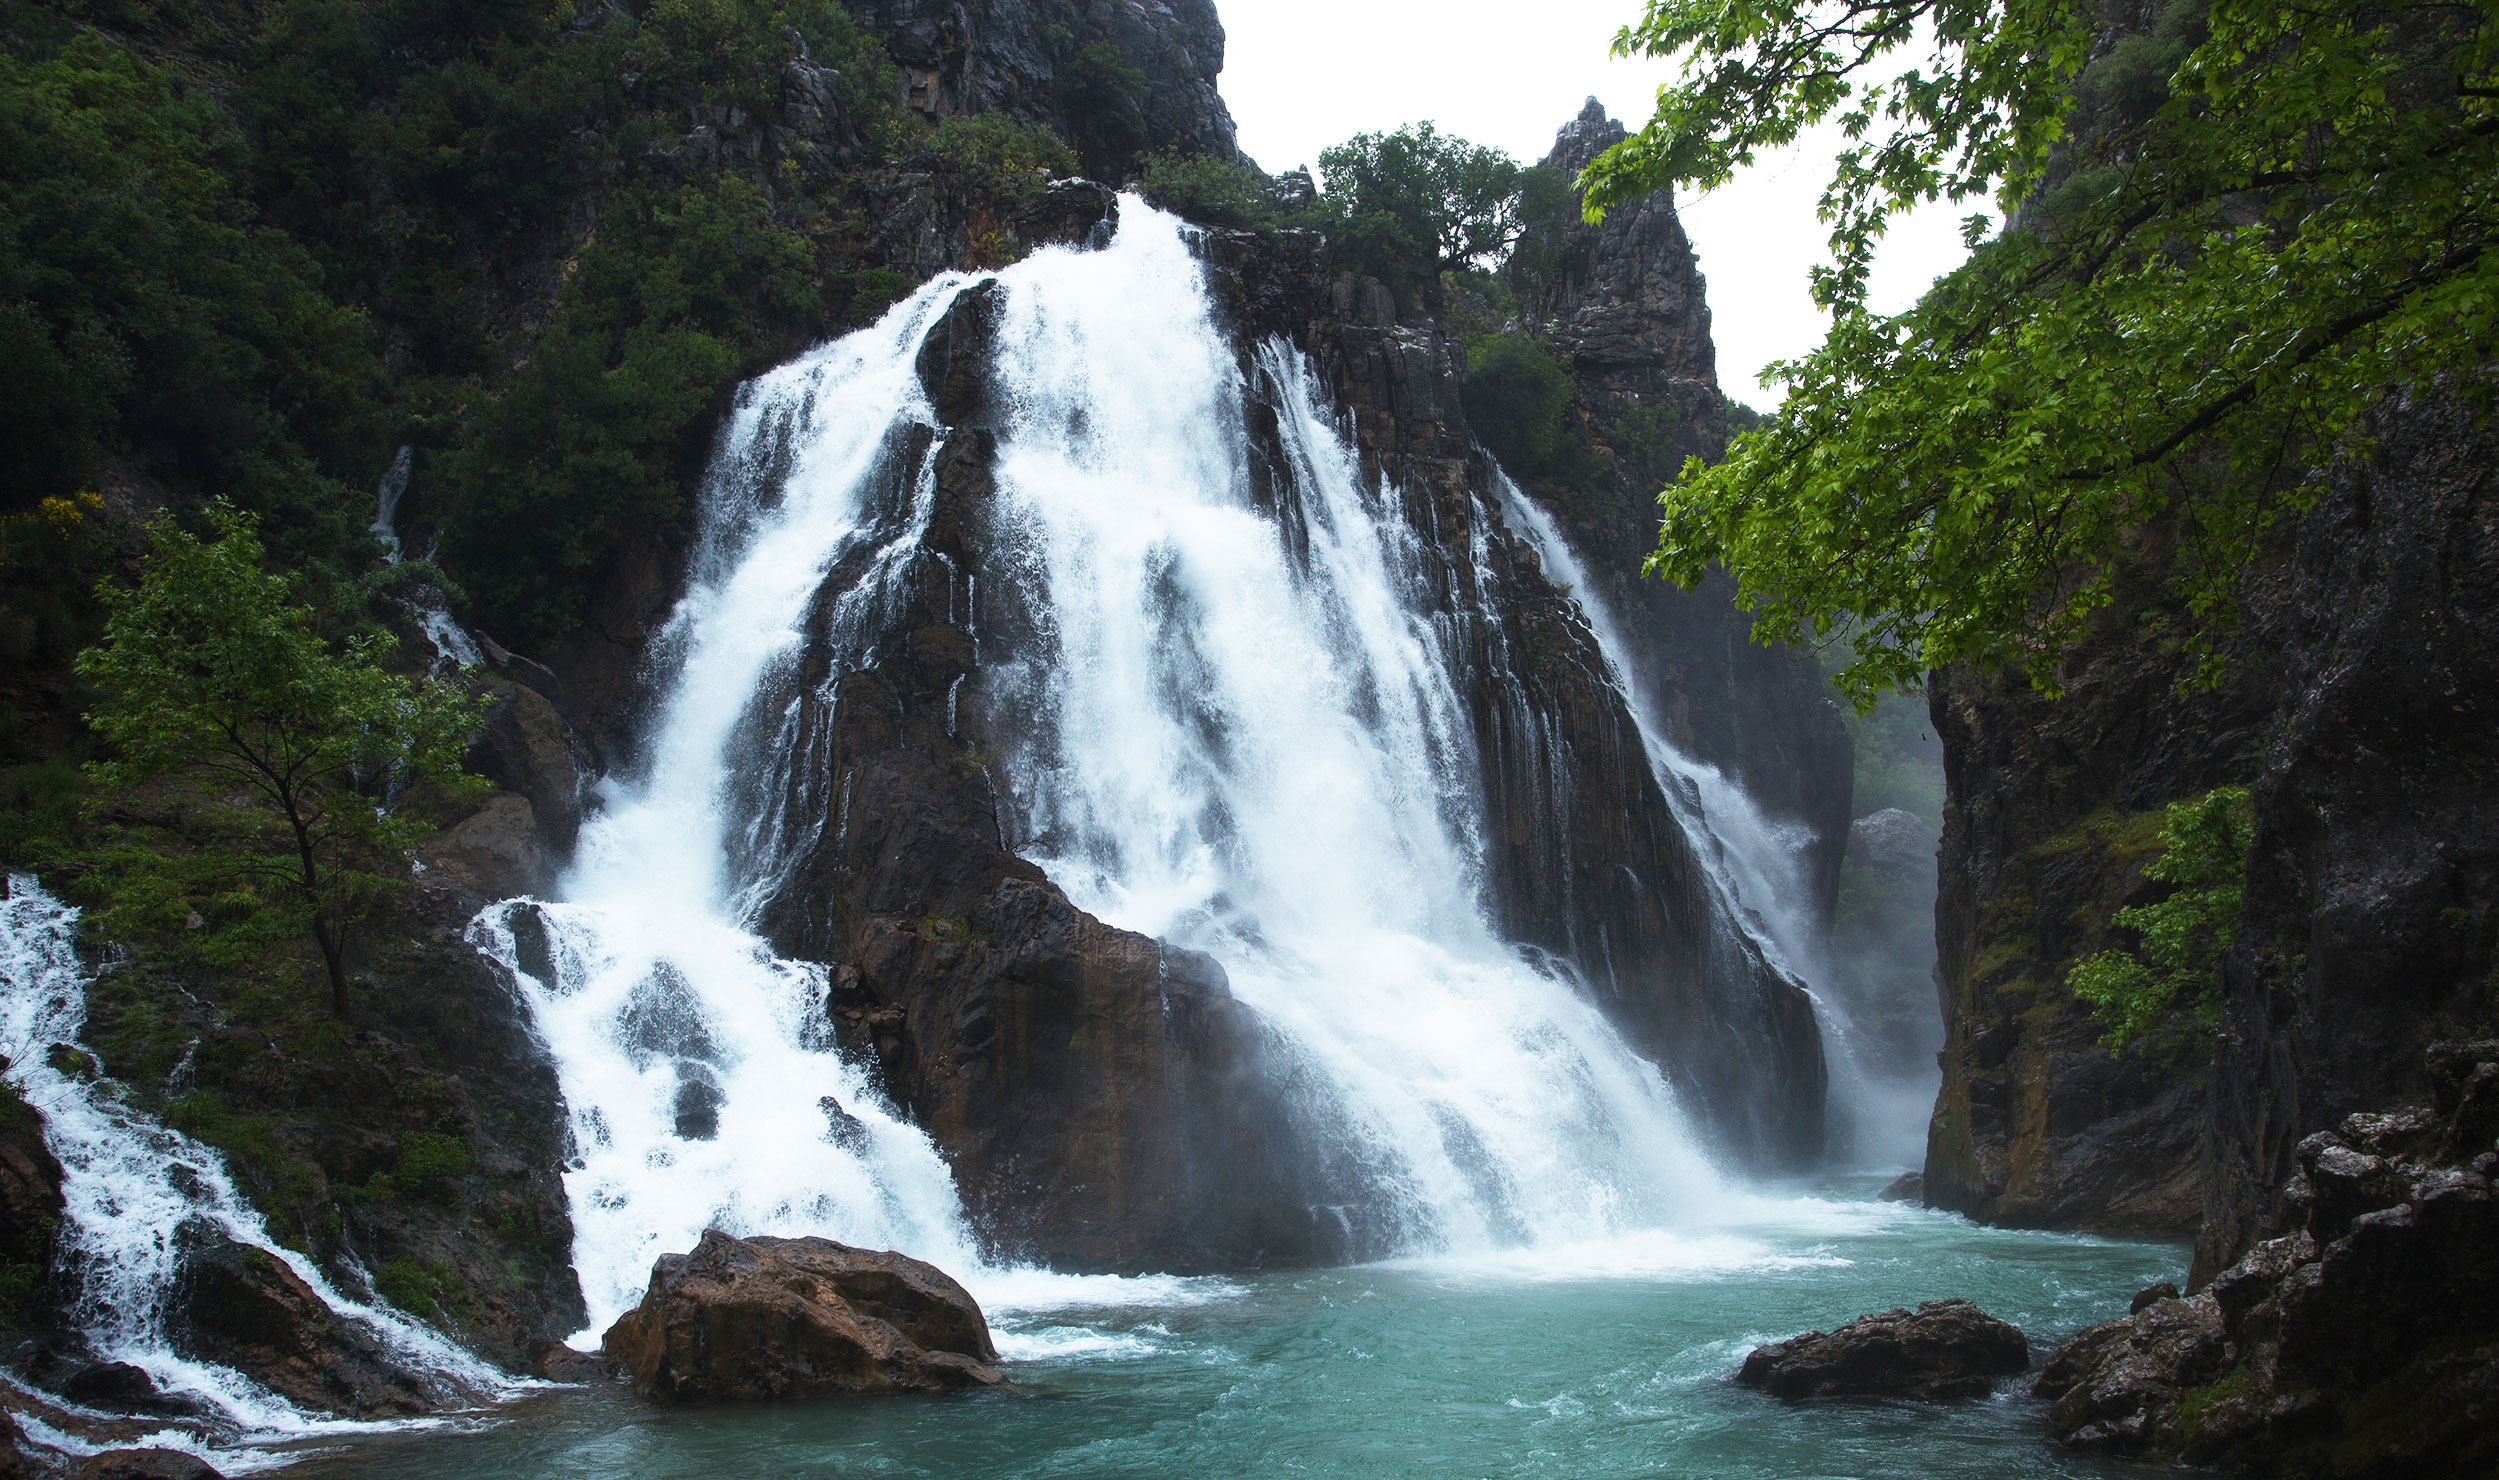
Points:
point(798, 1318)
point(1943, 1349)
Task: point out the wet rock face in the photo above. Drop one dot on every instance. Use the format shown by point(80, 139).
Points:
point(2053, 807)
point(240, 1307)
point(1588, 860)
point(2372, 920)
point(1942, 1349)
point(767, 1318)
point(145, 1464)
point(2362, 1342)
point(1103, 1101)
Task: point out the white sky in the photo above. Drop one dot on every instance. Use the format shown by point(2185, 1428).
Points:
point(1303, 74)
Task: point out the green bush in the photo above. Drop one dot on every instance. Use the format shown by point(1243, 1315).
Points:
point(2164, 997)
point(143, 307)
point(1518, 400)
point(992, 154)
point(1405, 206)
point(1207, 190)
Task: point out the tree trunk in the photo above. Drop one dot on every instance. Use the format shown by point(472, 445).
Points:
point(334, 955)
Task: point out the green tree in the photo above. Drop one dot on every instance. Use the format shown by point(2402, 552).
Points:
point(2165, 996)
point(1404, 206)
point(2229, 235)
point(213, 679)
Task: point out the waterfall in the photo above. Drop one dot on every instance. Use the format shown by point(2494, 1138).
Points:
point(132, 1187)
point(1758, 862)
point(1229, 718)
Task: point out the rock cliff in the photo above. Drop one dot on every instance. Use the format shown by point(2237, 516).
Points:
point(1626, 307)
point(1117, 80)
point(2373, 872)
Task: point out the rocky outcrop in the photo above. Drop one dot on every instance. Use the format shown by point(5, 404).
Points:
point(240, 1307)
point(1627, 308)
point(1942, 1349)
point(1118, 81)
point(771, 1318)
point(2363, 1341)
point(2372, 917)
point(2357, 709)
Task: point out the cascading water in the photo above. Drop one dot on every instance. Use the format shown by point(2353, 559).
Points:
point(133, 1188)
point(703, 1083)
point(1758, 867)
point(1242, 742)
point(1252, 745)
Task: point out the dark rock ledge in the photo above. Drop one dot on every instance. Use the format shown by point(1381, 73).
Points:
point(799, 1318)
point(1943, 1349)
point(2363, 1343)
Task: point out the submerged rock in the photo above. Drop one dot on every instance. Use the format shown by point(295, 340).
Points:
point(799, 1318)
point(1943, 1349)
point(145, 1464)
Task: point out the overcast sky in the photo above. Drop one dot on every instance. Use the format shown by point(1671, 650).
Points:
point(1303, 74)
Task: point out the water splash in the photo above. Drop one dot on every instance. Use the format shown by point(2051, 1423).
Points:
point(131, 1187)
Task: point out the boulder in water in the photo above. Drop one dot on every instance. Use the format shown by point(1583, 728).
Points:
point(799, 1318)
point(1943, 1349)
point(145, 1464)
point(1907, 1187)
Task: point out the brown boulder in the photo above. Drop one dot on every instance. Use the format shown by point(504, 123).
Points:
point(493, 853)
point(1943, 1349)
point(798, 1318)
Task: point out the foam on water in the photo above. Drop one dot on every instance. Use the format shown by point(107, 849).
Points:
point(131, 1185)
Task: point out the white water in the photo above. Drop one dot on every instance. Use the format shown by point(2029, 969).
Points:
point(1218, 742)
point(1757, 867)
point(131, 1185)
point(452, 643)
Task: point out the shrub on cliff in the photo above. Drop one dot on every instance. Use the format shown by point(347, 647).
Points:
point(2229, 236)
point(1207, 190)
point(2163, 998)
point(606, 420)
point(258, 762)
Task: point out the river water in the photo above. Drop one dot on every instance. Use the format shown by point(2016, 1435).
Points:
point(1576, 1364)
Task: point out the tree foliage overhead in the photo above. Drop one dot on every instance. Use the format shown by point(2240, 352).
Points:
point(2229, 234)
point(276, 751)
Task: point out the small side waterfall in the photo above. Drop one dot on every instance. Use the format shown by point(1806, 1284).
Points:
point(133, 1189)
point(1759, 862)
